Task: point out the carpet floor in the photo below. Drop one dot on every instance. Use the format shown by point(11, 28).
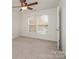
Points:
point(29, 48)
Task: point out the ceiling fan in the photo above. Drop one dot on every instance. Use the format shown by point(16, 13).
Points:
point(24, 5)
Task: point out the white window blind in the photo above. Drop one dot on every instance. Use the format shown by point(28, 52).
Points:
point(38, 24)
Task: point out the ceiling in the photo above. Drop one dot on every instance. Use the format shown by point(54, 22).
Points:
point(42, 4)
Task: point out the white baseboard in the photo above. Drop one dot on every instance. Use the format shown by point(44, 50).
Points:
point(37, 38)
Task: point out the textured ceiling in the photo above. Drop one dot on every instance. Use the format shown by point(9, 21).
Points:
point(42, 4)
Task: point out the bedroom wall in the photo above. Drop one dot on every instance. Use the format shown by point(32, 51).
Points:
point(15, 24)
point(52, 19)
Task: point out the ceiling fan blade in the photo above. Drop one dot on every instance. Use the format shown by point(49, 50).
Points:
point(25, 4)
point(33, 3)
point(16, 6)
point(30, 8)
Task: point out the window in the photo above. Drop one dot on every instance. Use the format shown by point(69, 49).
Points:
point(38, 24)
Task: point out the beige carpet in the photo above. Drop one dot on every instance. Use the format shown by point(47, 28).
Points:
point(29, 48)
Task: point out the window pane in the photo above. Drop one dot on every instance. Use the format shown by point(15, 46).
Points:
point(42, 29)
point(32, 21)
point(43, 20)
point(32, 28)
point(38, 24)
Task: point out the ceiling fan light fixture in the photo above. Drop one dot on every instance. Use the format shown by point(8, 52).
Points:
point(24, 8)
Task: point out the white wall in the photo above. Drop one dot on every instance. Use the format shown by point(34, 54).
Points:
point(15, 24)
point(52, 19)
point(63, 24)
